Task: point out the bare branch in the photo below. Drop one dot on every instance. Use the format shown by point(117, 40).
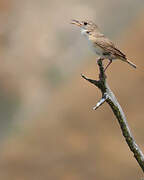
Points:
point(102, 100)
point(109, 97)
point(96, 83)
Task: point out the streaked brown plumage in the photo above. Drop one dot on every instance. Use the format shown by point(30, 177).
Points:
point(101, 45)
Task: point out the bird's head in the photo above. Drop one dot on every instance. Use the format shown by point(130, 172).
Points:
point(87, 27)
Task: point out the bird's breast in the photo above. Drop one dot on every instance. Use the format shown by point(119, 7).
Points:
point(96, 49)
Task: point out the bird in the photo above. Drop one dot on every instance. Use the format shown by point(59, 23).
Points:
point(100, 44)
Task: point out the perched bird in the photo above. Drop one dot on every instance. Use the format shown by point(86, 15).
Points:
point(101, 45)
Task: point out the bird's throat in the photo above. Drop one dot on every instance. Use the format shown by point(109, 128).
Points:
point(84, 32)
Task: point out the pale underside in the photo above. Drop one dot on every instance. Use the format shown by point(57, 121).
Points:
point(103, 47)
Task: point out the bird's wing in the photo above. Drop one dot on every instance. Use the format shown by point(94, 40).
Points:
point(109, 47)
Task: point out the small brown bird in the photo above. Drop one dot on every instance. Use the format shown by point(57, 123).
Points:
point(101, 45)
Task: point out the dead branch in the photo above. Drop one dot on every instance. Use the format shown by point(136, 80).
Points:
point(109, 97)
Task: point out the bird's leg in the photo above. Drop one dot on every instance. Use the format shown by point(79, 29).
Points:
point(110, 61)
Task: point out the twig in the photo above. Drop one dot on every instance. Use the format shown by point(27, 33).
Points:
point(109, 97)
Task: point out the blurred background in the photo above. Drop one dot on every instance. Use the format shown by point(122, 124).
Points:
point(48, 130)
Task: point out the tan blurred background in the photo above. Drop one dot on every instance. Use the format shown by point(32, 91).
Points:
point(48, 130)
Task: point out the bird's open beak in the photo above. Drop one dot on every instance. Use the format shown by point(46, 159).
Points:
point(76, 22)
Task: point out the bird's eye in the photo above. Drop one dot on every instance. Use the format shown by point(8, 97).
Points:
point(85, 23)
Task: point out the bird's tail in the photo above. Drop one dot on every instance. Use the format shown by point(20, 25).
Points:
point(130, 63)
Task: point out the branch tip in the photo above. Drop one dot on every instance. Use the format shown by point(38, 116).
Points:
point(102, 100)
point(83, 76)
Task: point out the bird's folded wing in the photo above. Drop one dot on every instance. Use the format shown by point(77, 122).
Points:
point(109, 47)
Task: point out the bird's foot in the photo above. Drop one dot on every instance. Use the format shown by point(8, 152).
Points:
point(98, 60)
